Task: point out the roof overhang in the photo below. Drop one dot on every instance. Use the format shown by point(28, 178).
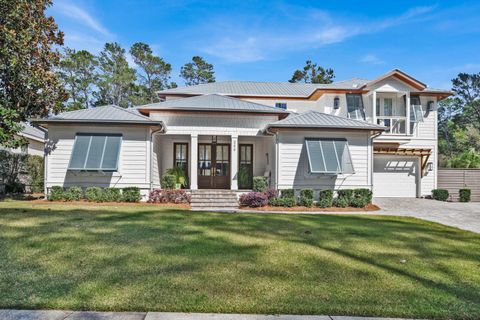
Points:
point(276, 128)
point(46, 122)
point(402, 76)
point(211, 111)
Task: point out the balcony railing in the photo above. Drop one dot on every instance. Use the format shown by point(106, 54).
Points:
point(395, 125)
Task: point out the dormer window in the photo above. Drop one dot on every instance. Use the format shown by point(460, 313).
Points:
point(281, 105)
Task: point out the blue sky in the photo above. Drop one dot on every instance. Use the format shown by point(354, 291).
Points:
point(268, 40)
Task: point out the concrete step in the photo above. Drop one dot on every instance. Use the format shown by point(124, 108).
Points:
point(215, 204)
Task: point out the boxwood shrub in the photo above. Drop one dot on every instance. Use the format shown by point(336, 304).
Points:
point(287, 193)
point(73, 194)
point(260, 184)
point(440, 194)
point(94, 194)
point(464, 195)
point(341, 202)
point(306, 202)
point(361, 197)
point(283, 202)
point(56, 193)
point(307, 193)
point(325, 199)
point(347, 194)
point(131, 194)
point(111, 195)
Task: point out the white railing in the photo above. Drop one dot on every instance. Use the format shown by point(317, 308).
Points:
point(395, 125)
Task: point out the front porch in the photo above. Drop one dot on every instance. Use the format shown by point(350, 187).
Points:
point(227, 162)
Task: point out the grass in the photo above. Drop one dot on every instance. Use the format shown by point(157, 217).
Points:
point(142, 258)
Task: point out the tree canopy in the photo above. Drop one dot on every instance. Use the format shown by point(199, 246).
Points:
point(29, 87)
point(198, 71)
point(313, 73)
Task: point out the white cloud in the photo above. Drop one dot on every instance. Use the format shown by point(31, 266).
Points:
point(371, 59)
point(248, 42)
point(72, 11)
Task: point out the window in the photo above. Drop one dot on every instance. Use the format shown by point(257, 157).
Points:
point(281, 105)
point(416, 111)
point(329, 156)
point(181, 156)
point(355, 106)
point(95, 152)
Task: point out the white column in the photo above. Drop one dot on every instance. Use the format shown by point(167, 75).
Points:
point(193, 162)
point(407, 112)
point(234, 163)
point(374, 107)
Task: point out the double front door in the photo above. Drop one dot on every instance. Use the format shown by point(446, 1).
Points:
point(213, 166)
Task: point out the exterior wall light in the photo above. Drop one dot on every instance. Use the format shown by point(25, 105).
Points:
point(336, 103)
point(430, 166)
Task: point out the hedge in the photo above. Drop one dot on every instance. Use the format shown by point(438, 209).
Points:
point(283, 202)
point(307, 193)
point(287, 193)
point(260, 184)
point(325, 199)
point(465, 195)
point(440, 194)
point(131, 194)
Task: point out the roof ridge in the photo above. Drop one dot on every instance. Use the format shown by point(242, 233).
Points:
point(129, 111)
point(236, 99)
point(328, 115)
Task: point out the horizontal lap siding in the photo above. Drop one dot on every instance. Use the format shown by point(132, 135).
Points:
point(293, 162)
point(133, 159)
point(455, 179)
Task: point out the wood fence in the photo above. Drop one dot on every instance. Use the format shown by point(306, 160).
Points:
point(455, 179)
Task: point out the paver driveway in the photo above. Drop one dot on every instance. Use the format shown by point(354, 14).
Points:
point(465, 216)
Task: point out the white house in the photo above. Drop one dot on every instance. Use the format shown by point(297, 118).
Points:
point(379, 134)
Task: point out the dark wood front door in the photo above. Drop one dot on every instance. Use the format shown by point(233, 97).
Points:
point(213, 166)
point(245, 166)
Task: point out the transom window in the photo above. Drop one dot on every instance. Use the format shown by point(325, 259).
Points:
point(95, 152)
point(355, 106)
point(329, 156)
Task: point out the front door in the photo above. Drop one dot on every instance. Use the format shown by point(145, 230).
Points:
point(213, 166)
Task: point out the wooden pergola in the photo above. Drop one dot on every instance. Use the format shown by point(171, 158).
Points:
point(394, 149)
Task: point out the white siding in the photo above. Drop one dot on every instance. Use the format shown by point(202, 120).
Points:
point(133, 159)
point(293, 169)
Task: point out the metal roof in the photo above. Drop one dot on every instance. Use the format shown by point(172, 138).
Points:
point(315, 119)
point(103, 114)
point(273, 89)
point(32, 131)
point(211, 102)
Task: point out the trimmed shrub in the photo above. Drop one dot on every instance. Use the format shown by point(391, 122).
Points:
point(283, 202)
point(34, 166)
point(464, 195)
point(346, 194)
point(56, 193)
point(341, 202)
point(287, 193)
point(306, 202)
point(260, 184)
point(168, 196)
point(440, 194)
point(168, 181)
point(361, 198)
point(307, 193)
point(73, 194)
point(325, 199)
point(94, 194)
point(111, 195)
point(271, 193)
point(253, 199)
point(131, 194)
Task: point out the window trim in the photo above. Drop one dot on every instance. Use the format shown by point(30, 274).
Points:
point(339, 161)
point(69, 168)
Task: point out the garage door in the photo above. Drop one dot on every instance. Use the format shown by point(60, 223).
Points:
point(395, 176)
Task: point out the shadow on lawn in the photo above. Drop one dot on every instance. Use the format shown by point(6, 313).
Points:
point(174, 260)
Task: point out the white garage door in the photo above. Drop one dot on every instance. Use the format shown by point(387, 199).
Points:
point(395, 176)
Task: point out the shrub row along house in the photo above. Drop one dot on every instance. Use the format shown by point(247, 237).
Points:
point(377, 134)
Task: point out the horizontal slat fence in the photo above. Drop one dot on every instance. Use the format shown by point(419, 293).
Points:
point(455, 179)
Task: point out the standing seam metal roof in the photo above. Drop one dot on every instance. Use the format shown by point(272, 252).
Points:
point(106, 113)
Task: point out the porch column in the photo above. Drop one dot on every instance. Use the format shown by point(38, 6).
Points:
point(234, 163)
point(407, 112)
point(193, 162)
point(374, 107)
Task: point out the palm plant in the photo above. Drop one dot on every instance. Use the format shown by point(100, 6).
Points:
point(179, 174)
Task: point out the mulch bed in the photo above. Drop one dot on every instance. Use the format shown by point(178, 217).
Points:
point(85, 202)
point(370, 207)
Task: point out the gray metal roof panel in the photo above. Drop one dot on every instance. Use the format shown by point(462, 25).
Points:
point(253, 88)
point(315, 119)
point(211, 102)
point(107, 113)
point(32, 131)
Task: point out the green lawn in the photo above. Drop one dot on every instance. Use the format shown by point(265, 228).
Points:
point(150, 258)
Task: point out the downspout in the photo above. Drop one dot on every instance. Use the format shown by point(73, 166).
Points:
point(162, 129)
point(277, 169)
point(372, 156)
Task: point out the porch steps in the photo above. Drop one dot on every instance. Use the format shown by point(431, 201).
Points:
point(214, 200)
